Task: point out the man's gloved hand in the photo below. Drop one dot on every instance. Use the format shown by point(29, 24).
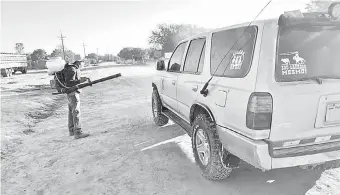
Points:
point(83, 79)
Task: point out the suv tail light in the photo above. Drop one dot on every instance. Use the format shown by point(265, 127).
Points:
point(259, 111)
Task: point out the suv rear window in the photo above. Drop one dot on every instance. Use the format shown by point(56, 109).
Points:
point(239, 59)
point(307, 52)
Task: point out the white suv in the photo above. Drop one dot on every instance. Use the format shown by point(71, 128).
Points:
point(267, 93)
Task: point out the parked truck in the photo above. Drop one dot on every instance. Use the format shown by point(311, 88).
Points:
point(10, 63)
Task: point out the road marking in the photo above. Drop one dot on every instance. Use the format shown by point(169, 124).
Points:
point(161, 143)
point(183, 141)
point(168, 124)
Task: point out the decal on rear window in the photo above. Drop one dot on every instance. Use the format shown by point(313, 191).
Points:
point(312, 46)
point(232, 50)
point(292, 64)
point(237, 60)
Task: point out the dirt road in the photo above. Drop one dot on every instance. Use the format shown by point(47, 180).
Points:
point(38, 156)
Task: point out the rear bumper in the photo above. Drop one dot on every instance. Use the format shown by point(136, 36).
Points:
point(305, 160)
point(256, 152)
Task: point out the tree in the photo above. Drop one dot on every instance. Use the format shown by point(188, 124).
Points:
point(129, 53)
point(319, 6)
point(29, 57)
point(125, 53)
point(38, 54)
point(151, 52)
point(106, 57)
point(167, 36)
point(19, 48)
point(162, 35)
point(92, 56)
point(58, 52)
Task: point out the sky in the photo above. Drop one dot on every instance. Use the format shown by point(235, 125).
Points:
point(112, 25)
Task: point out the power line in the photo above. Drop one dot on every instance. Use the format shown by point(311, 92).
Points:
point(62, 43)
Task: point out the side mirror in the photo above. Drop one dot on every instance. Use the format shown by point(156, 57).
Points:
point(160, 65)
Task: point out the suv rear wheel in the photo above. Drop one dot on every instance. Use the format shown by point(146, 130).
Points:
point(158, 117)
point(213, 160)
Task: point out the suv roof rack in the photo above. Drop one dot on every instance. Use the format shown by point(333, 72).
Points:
point(296, 17)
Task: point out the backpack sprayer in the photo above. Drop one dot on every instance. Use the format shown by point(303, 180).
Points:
point(62, 89)
point(58, 82)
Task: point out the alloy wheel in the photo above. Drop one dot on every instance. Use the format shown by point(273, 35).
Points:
point(202, 145)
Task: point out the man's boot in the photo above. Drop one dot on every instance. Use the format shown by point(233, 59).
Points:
point(79, 134)
point(71, 132)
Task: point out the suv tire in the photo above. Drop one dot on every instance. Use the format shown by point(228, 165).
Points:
point(215, 168)
point(159, 118)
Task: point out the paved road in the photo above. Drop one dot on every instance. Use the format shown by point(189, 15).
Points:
point(119, 157)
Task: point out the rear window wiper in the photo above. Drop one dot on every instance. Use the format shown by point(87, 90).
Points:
point(329, 77)
point(319, 79)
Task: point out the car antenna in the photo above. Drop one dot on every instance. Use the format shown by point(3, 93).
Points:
point(204, 90)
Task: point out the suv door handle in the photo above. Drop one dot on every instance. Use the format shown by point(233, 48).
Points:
point(195, 88)
point(173, 82)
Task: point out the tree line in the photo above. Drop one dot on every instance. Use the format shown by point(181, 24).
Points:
point(162, 39)
point(41, 54)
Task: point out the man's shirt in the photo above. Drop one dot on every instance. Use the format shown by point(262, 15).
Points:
point(72, 76)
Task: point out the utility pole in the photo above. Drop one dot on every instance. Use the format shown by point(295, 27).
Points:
point(107, 53)
point(97, 56)
point(62, 43)
point(84, 50)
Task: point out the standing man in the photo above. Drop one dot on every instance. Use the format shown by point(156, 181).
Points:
point(72, 78)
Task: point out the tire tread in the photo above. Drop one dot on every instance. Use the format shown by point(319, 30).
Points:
point(217, 170)
point(162, 119)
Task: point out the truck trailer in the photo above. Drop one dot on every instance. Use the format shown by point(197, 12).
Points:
point(10, 63)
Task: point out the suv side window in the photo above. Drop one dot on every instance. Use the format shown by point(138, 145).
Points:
point(239, 59)
point(192, 60)
point(175, 62)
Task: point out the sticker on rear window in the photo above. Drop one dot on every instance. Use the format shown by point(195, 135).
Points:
point(292, 64)
point(237, 60)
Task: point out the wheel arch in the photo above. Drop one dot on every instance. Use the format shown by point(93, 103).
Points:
point(199, 107)
point(154, 86)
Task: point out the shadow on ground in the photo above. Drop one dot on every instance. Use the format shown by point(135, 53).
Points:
point(245, 180)
point(32, 88)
